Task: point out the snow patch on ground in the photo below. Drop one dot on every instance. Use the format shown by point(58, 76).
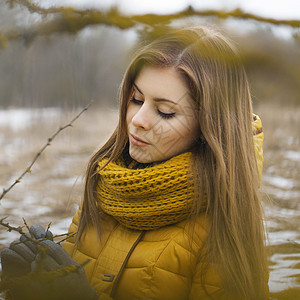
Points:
point(18, 118)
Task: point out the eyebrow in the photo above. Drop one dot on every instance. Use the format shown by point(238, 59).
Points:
point(155, 99)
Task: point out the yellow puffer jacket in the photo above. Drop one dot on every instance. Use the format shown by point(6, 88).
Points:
point(162, 265)
point(157, 264)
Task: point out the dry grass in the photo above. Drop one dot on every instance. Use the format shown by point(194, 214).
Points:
point(281, 184)
point(55, 182)
point(281, 126)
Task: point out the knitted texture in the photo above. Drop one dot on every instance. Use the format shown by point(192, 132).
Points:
point(150, 198)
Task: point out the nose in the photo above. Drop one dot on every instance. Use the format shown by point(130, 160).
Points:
point(141, 118)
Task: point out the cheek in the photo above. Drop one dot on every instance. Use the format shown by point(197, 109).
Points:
point(127, 119)
point(185, 127)
point(189, 132)
point(129, 115)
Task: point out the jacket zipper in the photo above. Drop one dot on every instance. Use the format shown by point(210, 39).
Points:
point(118, 277)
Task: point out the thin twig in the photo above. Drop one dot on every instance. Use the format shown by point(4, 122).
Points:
point(28, 169)
point(294, 242)
point(37, 242)
point(48, 227)
point(11, 228)
point(39, 274)
point(25, 223)
point(67, 237)
point(19, 229)
point(31, 238)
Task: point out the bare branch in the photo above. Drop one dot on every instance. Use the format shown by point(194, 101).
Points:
point(35, 8)
point(70, 20)
point(28, 169)
point(237, 13)
point(69, 235)
point(25, 223)
point(11, 228)
point(38, 274)
point(37, 242)
point(48, 227)
point(31, 238)
point(294, 242)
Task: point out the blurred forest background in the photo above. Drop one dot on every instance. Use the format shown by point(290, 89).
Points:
point(45, 80)
point(67, 70)
point(61, 70)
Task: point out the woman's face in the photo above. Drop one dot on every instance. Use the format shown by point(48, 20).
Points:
point(161, 116)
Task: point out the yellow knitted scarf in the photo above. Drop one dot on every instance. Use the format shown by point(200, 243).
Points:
point(150, 198)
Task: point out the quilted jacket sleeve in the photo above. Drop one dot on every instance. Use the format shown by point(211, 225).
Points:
point(104, 297)
point(69, 245)
point(212, 289)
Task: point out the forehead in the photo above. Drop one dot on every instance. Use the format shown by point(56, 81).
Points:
point(157, 82)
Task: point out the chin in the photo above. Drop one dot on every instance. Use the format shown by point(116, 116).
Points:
point(141, 159)
point(141, 156)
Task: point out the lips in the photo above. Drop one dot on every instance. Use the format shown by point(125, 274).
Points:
point(137, 141)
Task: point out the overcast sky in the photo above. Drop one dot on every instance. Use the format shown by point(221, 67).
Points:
point(284, 9)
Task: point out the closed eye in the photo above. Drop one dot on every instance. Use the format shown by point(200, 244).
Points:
point(136, 101)
point(165, 116)
point(162, 114)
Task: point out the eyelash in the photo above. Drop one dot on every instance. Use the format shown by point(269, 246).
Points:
point(163, 115)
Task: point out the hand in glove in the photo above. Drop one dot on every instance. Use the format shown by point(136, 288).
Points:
point(16, 260)
point(26, 266)
point(67, 279)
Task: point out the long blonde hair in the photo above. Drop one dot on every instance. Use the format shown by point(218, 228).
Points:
point(224, 164)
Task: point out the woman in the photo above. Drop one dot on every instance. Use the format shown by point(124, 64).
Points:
point(171, 207)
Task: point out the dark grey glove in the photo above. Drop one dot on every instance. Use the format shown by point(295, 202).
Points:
point(16, 263)
point(26, 269)
point(16, 260)
point(64, 284)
